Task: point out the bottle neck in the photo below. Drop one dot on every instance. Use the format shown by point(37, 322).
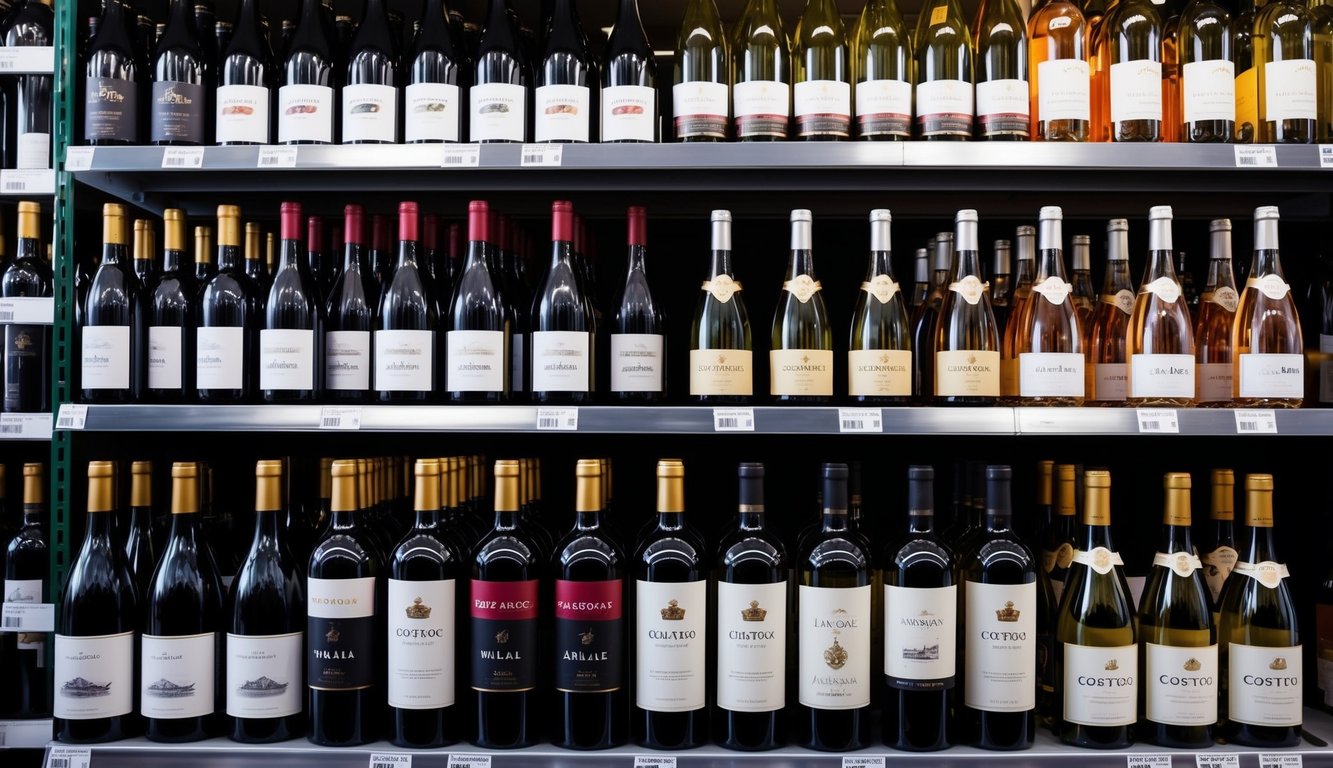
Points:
point(113, 253)
point(102, 523)
point(171, 260)
point(229, 256)
point(344, 519)
point(507, 520)
point(426, 520)
point(968, 263)
point(1116, 278)
point(34, 514)
point(269, 524)
point(921, 522)
point(1261, 547)
point(352, 255)
point(184, 525)
point(292, 255)
point(1176, 538)
point(407, 253)
point(751, 518)
point(588, 520)
point(1097, 536)
point(141, 518)
point(998, 521)
point(1266, 262)
point(1220, 273)
point(1160, 264)
point(636, 259)
point(670, 521)
point(802, 262)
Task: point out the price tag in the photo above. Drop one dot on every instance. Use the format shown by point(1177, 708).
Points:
point(541, 155)
point(71, 416)
point(28, 310)
point(652, 761)
point(79, 158)
point(1148, 761)
point(32, 426)
point(28, 617)
point(339, 418)
point(733, 419)
point(33, 59)
point(1216, 761)
point(1279, 760)
point(469, 760)
point(31, 181)
point(68, 757)
point(863, 762)
point(860, 420)
point(390, 760)
point(461, 156)
point(277, 157)
point(25, 733)
point(1326, 156)
point(1251, 156)
point(1255, 422)
point(1158, 421)
point(183, 157)
point(558, 419)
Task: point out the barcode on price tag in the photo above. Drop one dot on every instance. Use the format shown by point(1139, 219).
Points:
point(860, 420)
point(28, 617)
point(28, 310)
point(339, 418)
point(1279, 760)
point(541, 156)
point(390, 760)
point(72, 416)
point(1253, 422)
point(36, 426)
point(462, 156)
point(652, 761)
point(79, 158)
point(183, 157)
point(863, 762)
point(1148, 761)
point(35, 181)
point(1326, 156)
point(1158, 421)
point(469, 760)
point(733, 419)
point(277, 157)
point(1217, 761)
point(69, 757)
point(1255, 157)
point(559, 419)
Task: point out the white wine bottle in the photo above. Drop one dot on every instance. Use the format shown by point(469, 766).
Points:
point(721, 350)
point(1286, 82)
point(1207, 73)
point(1220, 556)
point(761, 65)
point(1060, 79)
point(879, 352)
point(1002, 73)
point(701, 87)
point(801, 356)
point(944, 75)
point(882, 63)
point(967, 340)
point(822, 93)
point(1130, 48)
point(1266, 338)
point(1161, 333)
point(1049, 342)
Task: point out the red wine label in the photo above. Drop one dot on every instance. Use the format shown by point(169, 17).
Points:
point(431, 112)
point(823, 108)
point(111, 109)
point(341, 633)
point(242, 114)
point(421, 644)
point(178, 112)
point(177, 675)
point(920, 637)
point(562, 113)
point(370, 113)
point(305, 113)
point(263, 675)
point(762, 108)
point(589, 635)
point(94, 676)
point(504, 635)
point(106, 357)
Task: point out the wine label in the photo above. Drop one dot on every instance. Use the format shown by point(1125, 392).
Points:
point(1183, 564)
point(801, 372)
point(1217, 566)
point(177, 676)
point(879, 373)
point(671, 635)
point(725, 372)
point(1270, 285)
point(164, 357)
point(1247, 103)
point(1136, 90)
point(178, 112)
point(1002, 107)
point(1000, 648)
point(629, 113)
point(967, 373)
point(421, 643)
point(219, 357)
point(264, 675)
point(1290, 90)
point(33, 150)
point(884, 108)
point(1099, 559)
point(94, 676)
point(1182, 684)
point(1054, 290)
point(1101, 684)
point(111, 111)
point(405, 361)
point(1122, 300)
point(499, 112)
point(1063, 89)
point(944, 108)
point(1165, 288)
point(476, 361)
point(835, 647)
point(1161, 376)
point(1224, 297)
point(1215, 382)
point(970, 288)
point(242, 114)
point(106, 357)
point(347, 360)
point(370, 113)
point(1051, 374)
point(305, 114)
point(700, 109)
point(751, 646)
point(504, 635)
point(1264, 685)
point(1267, 573)
point(1271, 375)
point(920, 637)
point(563, 113)
point(722, 287)
point(637, 362)
point(882, 287)
point(823, 108)
point(287, 359)
point(560, 361)
point(340, 633)
point(589, 636)
point(431, 112)
point(1208, 90)
point(763, 108)
point(1112, 382)
point(28, 592)
point(803, 287)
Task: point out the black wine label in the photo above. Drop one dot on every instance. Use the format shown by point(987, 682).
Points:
point(111, 110)
point(342, 653)
point(178, 112)
point(589, 636)
point(504, 635)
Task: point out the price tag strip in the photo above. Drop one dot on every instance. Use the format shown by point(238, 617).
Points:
point(28, 617)
point(860, 420)
point(1279, 760)
point(79, 159)
point(36, 59)
point(1255, 156)
point(72, 416)
point(177, 158)
point(558, 419)
point(1159, 421)
point(339, 418)
point(541, 156)
point(28, 181)
point(652, 761)
point(277, 157)
point(1326, 156)
point(31, 426)
point(469, 760)
point(1255, 422)
point(390, 760)
point(68, 757)
point(733, 419)
point(28, 310)
point(25, 733)
point(863, 762)
point(1148, 761)
point(461, 156)
point(1202, 760)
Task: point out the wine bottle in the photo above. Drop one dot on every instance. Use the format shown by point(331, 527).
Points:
point(291, 356)
point(204, 268)
point(1084, 295)
point(1260, 637)
point(882, 62)
point(370, 92)
point(171, 296)
point(1022, 294)
point(926, 316)
point(506, 567)
point(27, 355)
point(801, 355)
point(256, 261)
point(591, 695)
point(1057, 549)
point(1130, 50)
point(921, 281)
point(180, 73)
point(1107, 343)
point(434, 70)
point(562, 323)
point(1160, 335)
point(96, 695)
point(319, 258)
point(350, 313)
point(1212, 330)
point(141, 546)
point(879, 356)
point(1220, 557)
point(1266, 337)
point(142, 249)
point(920, 626)
point(761, 96)
point(565, 80)
point(721, 349)
point(1207, 73)
point(701, 77)
point(629, 85)
point(31, 23)
point(227, 339)
point(967, 341)
point(379, 255)
point(112, 71)
point(638, 331)
point(306, 99)
point(405, 327)
point(822, 91)
point(1049, 342)
point(26, 581)
point(1285, 77)
point(1002, 287)
point(112, 366)
point(944, 74)
point(1002, 73)
point(499, 94)
point(480, 334)
point(1043, 513)
point(245, 78)
point(1060, 85)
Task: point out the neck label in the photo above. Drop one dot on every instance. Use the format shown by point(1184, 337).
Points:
point(882, 287)
point(970, 288)
point(722, 287)
point(1267, 573)
point(803, 287)
point(1183, 563)
point(1099, 559)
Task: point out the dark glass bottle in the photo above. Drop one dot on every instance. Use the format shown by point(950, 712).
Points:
point(180, 81)
point(291, 355)
point(351, 318)
point(112, 71)
point(321, 260)
point(112, 369)
point(27, 347)
point(31, 23)
point(566, 78)
point(638, 332)
point(629, 81)
point(370, 92)
point(405, 337)
point(26, 569)
point(256, 265)
point(171, 297)
point(245, 81)
point(204, 268)
point(480, 333)
point(227, 341)
point(141, 546)
point(306, 98)
point(562, 328)
point(501, 79)
point(436, 71)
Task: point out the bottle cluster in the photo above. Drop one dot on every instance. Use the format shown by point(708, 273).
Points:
point(25, 566)
point(27, 110)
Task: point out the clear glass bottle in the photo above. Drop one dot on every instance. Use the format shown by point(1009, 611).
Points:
point(1161, 333)
point(1060, 81)
point(1266, 337)
point(1217, 313)
point(967, 340)
point(1107, 344)
point(1048, 345)
point(1207, 73)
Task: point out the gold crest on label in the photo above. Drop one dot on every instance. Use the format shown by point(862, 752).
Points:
point(881, 287)
point(418, 610)
point(333, 635)
point(673, 611)
point(1112, 665)
point(502, 637)
point(803, 287)
point(835, 656)
point(1008, 613)
point(1123, 301)
point(587, 637)
point(1278, 664)
point(754, 612)
point(722, 287)
point(1193, 665)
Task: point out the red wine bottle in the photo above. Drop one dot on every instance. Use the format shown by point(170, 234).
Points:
point(111, 113)
point(480, 333)
point(501, 79)
point(179, 74)
point(170, 298)
point(351, 318)
point(370, 93)
point(306, 99)
point(227, 340)
point(112, 365)
point(27, 353)
point(31, 23)
point(245, 81)
point(26, 569)
point(566, 77)
point(638, 332)
point(405, 330)
point(629, 89)
point(434, 67)
point(563, 329)
point(291, 355)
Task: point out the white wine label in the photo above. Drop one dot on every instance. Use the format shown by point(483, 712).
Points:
point(1183, 563)
point(305, 113)
point(1290, 90)
point(1101, 684)
point(1112, 382)
point(970, 288)
point(563, 113)
point(803, 287)
point(1182, 684)
point(700, 108)
point(1161, 376)
point(629, 113)
point(727, 372)
point(1063, 88)
point(882, 287)
point(1267, 573)
point(431, 112)
point(164, 357)
point(1000, 648)
point(560, 361)
point(879, 373)
point(1208, 90)
point(884, 108)
point(1054, 290)
point(1123, 301)
point(94, 676)
point(751, 646)
point(1264, 685)
point(404, 361)
point(421, 644)
point(498, 112)
point(637, 362)
point(722, 287)
point(33, 150)
point(476, 361)
point(347, 360)
point(762, 108)
point(1051, 374)
point(286, 359)
point(801, 372)
point(835, 648)
point(177, 676)
point(370, 113)
point(1270, 285)
point(106, 357)
point(1164, 288)
point(1224, 297)
point(1136, 90)
point(242, 115)
point(920, 637)
point(219, 358)
point(1271, 376)
point(671, 631)
point(1002, 106)
point(1217, 566)
point(264, 675)
point(1099, 559)
point(1215, 382)
point(949, 98)
point(967, 372)
point(823, 108)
